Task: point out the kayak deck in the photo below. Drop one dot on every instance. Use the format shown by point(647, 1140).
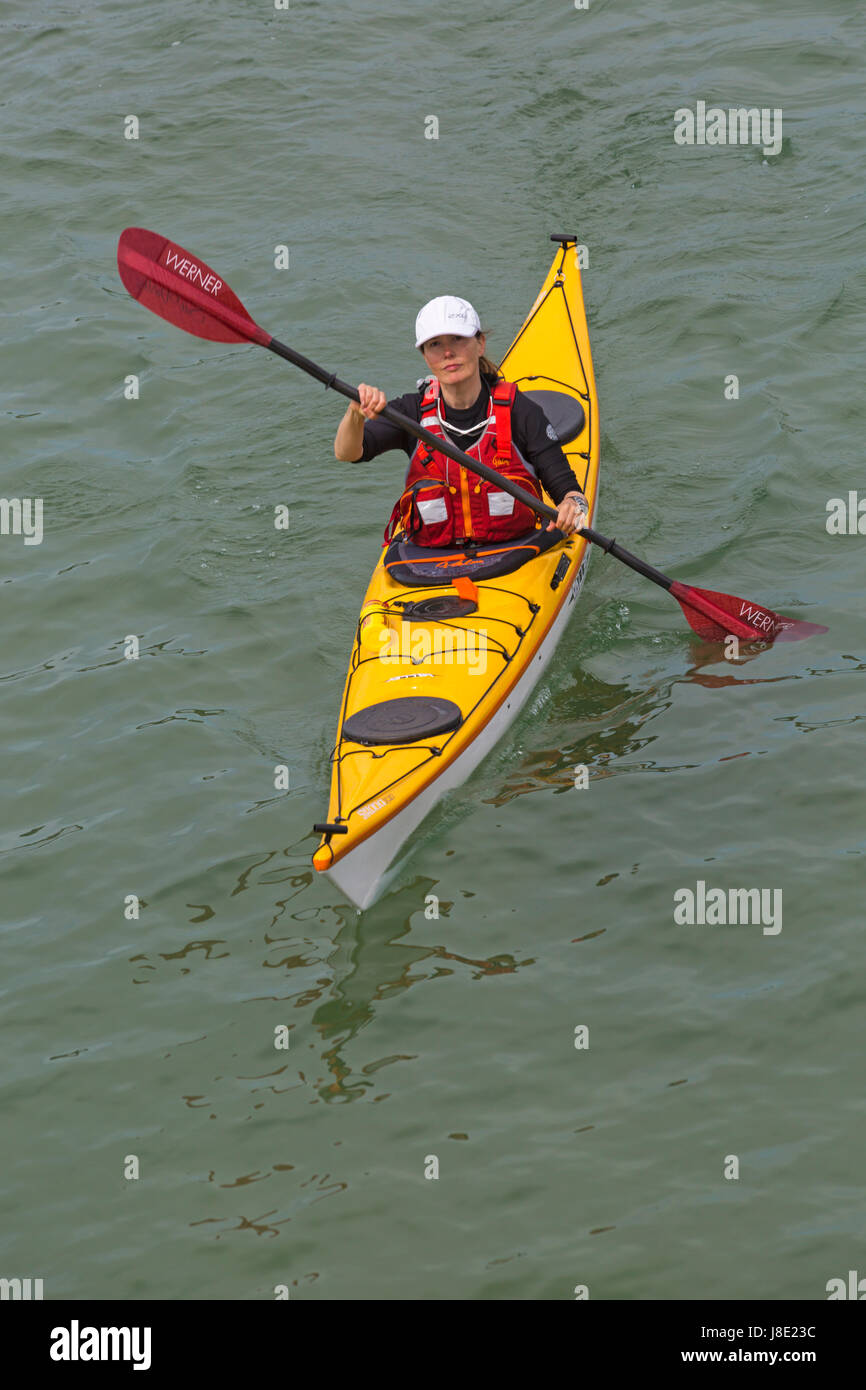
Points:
point(474, 669)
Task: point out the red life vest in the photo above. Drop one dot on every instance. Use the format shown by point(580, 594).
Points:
point(445, 504)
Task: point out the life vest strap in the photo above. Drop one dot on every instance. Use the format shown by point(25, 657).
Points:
point(503, 399)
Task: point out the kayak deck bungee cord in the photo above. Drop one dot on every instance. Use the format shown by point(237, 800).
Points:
point(451, 641)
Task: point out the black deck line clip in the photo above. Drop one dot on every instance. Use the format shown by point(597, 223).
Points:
point(560, 572)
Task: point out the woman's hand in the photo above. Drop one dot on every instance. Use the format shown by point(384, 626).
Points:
point(349, 441)
point(571, 514)
point(373, 401)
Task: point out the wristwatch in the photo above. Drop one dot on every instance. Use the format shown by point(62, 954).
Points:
point(579, 501)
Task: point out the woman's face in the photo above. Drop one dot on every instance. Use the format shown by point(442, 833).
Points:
point(452, 358)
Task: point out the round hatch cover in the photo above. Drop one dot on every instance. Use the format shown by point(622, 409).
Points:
point(446, 606)
point(402, 721)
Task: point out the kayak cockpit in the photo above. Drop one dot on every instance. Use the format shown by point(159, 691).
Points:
point(407, 563)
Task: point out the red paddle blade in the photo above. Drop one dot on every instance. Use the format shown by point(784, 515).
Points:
point(179, 287)
point(716, 616)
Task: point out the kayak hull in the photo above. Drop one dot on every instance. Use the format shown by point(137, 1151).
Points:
point(478, 661)
point(361, 874)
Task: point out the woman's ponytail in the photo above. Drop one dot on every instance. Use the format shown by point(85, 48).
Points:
point(485, 366)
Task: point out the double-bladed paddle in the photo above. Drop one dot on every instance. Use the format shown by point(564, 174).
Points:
point(179, 287)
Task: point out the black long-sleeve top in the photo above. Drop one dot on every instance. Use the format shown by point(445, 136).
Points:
point(533, 435)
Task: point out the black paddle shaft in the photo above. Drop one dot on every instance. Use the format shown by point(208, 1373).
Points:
point(333, 382)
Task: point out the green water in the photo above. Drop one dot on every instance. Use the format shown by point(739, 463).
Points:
point(154, 1037)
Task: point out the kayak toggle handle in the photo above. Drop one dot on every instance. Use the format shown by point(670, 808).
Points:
point(326, 828)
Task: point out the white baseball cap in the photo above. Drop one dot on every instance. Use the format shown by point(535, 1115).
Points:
point(447, 314)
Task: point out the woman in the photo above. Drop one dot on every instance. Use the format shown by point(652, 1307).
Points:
point(465, 402)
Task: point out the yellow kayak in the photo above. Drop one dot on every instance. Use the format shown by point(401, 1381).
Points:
point(450, 642)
